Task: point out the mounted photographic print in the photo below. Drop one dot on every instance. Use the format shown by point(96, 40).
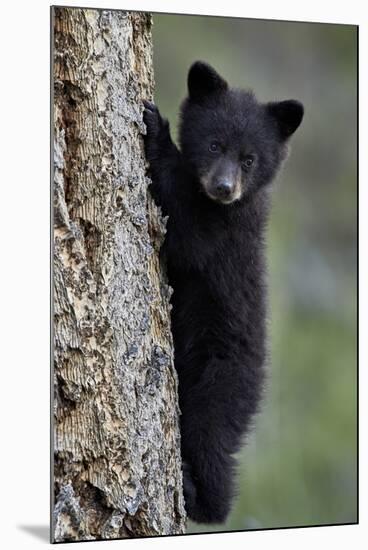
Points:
point(204, 268)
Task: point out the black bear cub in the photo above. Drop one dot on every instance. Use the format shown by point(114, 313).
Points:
point(215, 190)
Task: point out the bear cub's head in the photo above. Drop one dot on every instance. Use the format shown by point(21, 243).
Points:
point(232, 143)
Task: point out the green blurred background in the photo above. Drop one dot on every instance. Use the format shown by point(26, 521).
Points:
point(299, 466)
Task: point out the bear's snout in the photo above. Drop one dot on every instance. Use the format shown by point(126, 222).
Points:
point(224, 188)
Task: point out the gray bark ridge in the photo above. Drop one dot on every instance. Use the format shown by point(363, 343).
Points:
point(117, 465)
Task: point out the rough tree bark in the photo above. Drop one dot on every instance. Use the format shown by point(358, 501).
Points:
point(117, 465)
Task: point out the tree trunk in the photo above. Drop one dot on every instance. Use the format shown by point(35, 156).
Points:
point(117, 465)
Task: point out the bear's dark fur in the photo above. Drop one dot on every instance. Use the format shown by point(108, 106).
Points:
point(215, 192)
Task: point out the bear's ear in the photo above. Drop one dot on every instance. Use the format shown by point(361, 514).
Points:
point(204, 80)
point(288, 115)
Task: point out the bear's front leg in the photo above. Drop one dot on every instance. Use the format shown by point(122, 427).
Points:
point(157, 140)
point(162, 155)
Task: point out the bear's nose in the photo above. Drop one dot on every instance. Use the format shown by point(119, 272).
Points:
point(224, 188)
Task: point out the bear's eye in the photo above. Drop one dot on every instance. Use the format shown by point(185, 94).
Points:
point(214, 147)
point(248, 161)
